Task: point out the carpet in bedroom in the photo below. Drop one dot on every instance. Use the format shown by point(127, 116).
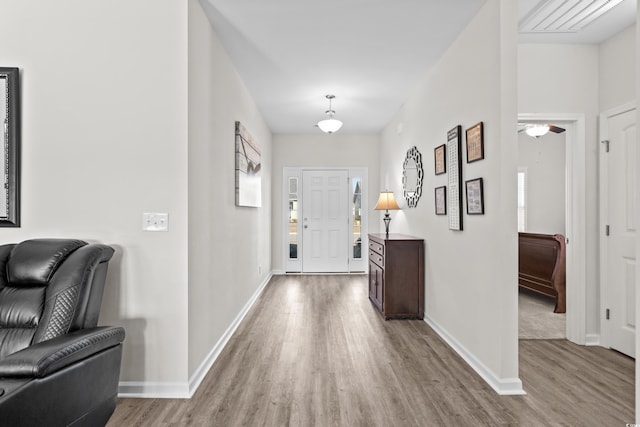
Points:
point(536, 319)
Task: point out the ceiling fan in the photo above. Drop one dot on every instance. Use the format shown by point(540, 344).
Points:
point(537, 130)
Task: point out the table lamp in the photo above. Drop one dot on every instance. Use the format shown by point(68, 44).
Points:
point(386, 202)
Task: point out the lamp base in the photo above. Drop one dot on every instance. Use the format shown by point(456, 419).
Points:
point(387, 220)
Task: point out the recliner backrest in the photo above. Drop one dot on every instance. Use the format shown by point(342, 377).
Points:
point(49, 287)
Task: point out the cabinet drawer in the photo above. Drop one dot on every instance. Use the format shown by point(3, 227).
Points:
point(377, 258)
point(376, 247)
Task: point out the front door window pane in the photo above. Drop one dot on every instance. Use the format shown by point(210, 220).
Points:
point(357, 217)
point(293, 217)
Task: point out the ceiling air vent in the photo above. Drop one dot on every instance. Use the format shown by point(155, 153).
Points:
point(564, 16)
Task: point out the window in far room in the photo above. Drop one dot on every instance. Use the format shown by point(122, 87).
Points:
point(522, 200)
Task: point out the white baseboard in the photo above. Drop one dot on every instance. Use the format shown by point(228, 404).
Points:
point(207, 363)
point(592, 339)
point(186, 390)
point(153, 390)
point(502, 386)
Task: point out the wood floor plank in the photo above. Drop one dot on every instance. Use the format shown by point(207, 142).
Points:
point(314, 352)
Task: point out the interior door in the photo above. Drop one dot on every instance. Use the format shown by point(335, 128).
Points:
point(325, 221)
point(620, 174)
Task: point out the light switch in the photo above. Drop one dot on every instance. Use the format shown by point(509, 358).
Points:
point(155, 221)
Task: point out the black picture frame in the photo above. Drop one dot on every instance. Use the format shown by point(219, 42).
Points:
point(10, 165)
point(454, 178)
point(475, 143)
point(440, 201)
point(475, 196)
point(440, 159)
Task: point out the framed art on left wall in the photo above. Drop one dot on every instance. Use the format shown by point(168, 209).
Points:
point(248, 166)
point(10, 164)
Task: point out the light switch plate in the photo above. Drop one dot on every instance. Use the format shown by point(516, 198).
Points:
point(155, 221)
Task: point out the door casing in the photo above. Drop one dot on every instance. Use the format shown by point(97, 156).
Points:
point(295, 265)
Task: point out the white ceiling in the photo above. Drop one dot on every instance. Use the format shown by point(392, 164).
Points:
point(369, 53)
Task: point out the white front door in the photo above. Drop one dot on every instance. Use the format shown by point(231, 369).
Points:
point(619, 172)
point(325, 221)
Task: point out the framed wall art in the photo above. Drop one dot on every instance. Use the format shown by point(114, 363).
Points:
point(475, 143)
point(248, 165)
point(454, 190)
point(440, 159)
point(10, 163)
point(441, 200)
point(475, 197)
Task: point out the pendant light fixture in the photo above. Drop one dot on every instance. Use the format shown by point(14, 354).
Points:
point(330, 125)
point(537, 131)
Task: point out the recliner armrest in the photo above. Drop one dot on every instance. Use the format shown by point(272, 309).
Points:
point(44, 358)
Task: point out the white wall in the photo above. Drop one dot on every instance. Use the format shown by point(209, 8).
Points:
point(471, 275)
point(321, 150)
point(563, 79)
point(120, 122)
point(104, 139)
point(619, 84)
point(229, 246)
point(584, 79)
point(617, 70)
point(544, 160)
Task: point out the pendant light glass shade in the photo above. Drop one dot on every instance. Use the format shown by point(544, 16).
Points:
point(330, 125)
point(537, 131)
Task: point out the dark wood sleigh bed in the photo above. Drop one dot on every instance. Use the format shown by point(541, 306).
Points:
point(542, 266)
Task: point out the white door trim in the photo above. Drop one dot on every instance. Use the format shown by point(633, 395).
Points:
point(295, 266)
point(604, 214)
point(576, 223)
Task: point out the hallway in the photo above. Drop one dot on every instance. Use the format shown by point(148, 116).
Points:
point(313, 351)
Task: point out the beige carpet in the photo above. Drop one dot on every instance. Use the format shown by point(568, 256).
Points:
point(536, 319)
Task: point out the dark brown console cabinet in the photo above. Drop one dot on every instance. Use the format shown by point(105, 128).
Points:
point(396, 275)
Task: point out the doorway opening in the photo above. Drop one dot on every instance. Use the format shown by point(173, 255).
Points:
point(541, 233)
point(575, 219)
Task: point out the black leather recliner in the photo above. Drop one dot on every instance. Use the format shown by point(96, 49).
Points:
point(57, 367)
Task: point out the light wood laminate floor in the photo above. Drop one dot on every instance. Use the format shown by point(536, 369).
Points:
point(314, 352)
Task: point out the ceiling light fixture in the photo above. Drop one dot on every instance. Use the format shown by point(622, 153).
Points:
point(537, 131)
point(330, 125)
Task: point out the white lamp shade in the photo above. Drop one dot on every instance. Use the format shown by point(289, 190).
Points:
point(330, 125)
point(537, 131)
point(386, 201)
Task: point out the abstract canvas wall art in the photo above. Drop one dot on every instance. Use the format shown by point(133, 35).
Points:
point(248, 165)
